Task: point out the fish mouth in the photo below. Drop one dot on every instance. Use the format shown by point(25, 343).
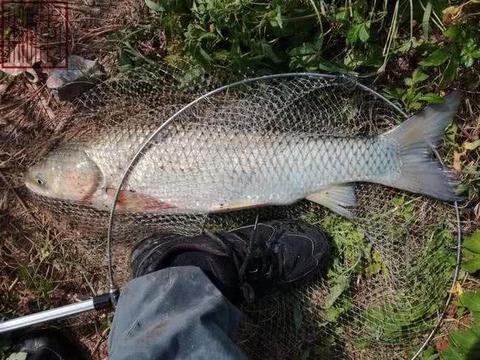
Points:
point(28, 181)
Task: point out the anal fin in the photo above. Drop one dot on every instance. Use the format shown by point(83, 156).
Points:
point(337, 198)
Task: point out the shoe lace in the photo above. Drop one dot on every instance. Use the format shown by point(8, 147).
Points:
point(246, 288)
point(241, 266)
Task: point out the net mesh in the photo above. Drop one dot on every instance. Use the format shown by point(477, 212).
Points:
point(392, 265)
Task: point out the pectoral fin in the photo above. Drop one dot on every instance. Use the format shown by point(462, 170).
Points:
point(337, 198)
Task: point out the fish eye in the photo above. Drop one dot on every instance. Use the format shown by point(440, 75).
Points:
point(40, 181)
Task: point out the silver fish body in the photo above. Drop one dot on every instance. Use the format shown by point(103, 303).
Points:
point(196, 168)
point(193, 173)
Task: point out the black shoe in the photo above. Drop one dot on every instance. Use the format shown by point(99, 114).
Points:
point(213, 256)
point(248, 261)
point(48, 345)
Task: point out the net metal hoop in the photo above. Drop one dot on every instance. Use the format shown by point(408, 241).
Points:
point(136, 157)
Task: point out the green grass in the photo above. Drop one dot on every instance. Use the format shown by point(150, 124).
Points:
point(334, 36)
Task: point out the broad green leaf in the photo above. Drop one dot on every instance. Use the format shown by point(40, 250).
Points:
point(207, 36)
point(352, 35)
point(464, 340)
point(329, 66)
point(363, 32)
point(472, 146)
point(451, 133)
point(418, 76)
point(452, 354)
point(472, 265)
point(408, 81)
point(221, 55)
point(476, 54)
point(471, 253)
point(452, 32)
point(405, 47)
point(471, 300)
point(331, 314)
point(205, 55)
point(470, 52)
point(437, 57)
point(342, 282)
point(429, 354)
point(472, 242)
point(341, 14)
point(432, 98)
point(154, 5)
point(449, 72)
point(359, 32)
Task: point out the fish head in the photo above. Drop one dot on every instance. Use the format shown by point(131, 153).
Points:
point(66, 174)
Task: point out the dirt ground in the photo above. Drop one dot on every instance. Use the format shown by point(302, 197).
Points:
point(44, 266)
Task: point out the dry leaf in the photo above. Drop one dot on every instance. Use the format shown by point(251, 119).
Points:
point(457, 161)
point(457, 14)
point(453, 15)
point(442, 344)
point(457, 289)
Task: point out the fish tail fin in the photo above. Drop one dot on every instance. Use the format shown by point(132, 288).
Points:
point(420, 173)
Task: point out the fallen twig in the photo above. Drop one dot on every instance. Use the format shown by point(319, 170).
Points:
point(100, 31)
point(44, 102)
point(101, 340)
point(81, 8)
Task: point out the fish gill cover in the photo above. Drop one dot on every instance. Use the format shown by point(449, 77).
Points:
point(393, 262)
